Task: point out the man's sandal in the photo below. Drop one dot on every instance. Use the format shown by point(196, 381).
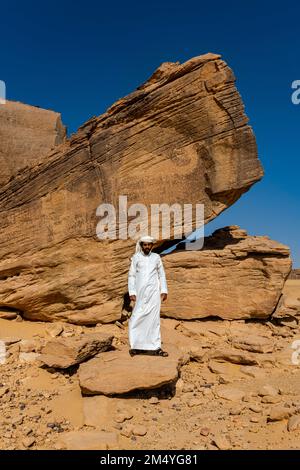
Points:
point(133, 352)
point(162, 353)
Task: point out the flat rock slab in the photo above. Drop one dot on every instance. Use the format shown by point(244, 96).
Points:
point(62, 353)
point(91, 440)
point(230, 393)
point(231, 355)
point(253, 343)
point(116, 372)
point(98, 410)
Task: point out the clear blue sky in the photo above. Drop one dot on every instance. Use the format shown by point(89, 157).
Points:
point(79, 57)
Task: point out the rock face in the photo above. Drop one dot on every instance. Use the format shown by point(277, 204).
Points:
point(181, 137)
point(65, 352)
point(115, 373)
point(27, 134)
point(234, 276)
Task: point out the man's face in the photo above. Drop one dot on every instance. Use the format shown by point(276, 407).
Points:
point(146, 247)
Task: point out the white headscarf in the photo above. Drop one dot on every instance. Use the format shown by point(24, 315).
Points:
point(146, 239)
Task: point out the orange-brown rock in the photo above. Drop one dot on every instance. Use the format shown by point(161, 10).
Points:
point(234, 276)
point(62, 353)
point(181, 137)
point(27, 134)
point(116, 372)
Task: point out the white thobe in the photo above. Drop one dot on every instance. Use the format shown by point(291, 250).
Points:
point(146, 280)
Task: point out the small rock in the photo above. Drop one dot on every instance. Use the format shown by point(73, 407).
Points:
point(235, 411)
point(271, 399)
point(224, 380)
point(268, 390)
point(55, 330)
point(154, 401)
point(188, 387)
point(194, 402)
point(27, 346)
point(252, 371)
point(278, 414)
point(28, 441)
point(119, 324)
point(248, 398)
point(293, 423)
point(10, 340)
point(124, 416)
point(204, 432)
point(255, 408)
point(229, 393)
point(221, 442)
point(8, 315)
point(127, 430)
point(28, 357)
point(3, 391)
point(139, 430)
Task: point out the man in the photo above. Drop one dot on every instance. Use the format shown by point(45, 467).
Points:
point(147, 287)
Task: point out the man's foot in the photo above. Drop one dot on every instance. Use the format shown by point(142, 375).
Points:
point(133, 352)
point(160, 352)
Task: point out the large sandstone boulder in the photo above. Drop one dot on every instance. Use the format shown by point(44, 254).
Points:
point(234, 276)
point(27, 134)
point(181, 137)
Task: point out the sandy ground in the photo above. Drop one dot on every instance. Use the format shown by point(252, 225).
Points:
point(39, 406)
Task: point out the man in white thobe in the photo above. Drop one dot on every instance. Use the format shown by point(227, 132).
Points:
point(147, 286)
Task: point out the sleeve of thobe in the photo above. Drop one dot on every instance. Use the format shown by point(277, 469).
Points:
point(131, 278)
point(162, 277)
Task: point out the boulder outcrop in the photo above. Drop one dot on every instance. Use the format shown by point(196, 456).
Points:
point(234, 276)
point(181, 137)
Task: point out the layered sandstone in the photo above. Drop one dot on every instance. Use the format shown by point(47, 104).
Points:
point(27, 134)
point(234, 276)
point(181, 137)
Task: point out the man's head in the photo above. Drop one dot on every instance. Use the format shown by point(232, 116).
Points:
point(146, 247)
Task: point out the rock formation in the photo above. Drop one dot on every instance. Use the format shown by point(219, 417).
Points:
point(66, 352)
point(115, 373)
point(27, 134)
point(234, 276)
point(181, 137)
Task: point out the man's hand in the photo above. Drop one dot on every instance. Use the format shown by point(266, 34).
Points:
point(132, 297)
point(164, 296)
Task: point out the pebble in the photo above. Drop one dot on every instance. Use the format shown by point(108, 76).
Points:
point(221, 442)
point(139, 430)
point(127, 430)
point(279, 413)
point(293, 423)
point(204, 431)
point(154, 401)
point(255, 408)
point(28, 441)
point(268, 390)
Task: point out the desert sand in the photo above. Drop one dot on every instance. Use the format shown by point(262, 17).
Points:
point(229, 393)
